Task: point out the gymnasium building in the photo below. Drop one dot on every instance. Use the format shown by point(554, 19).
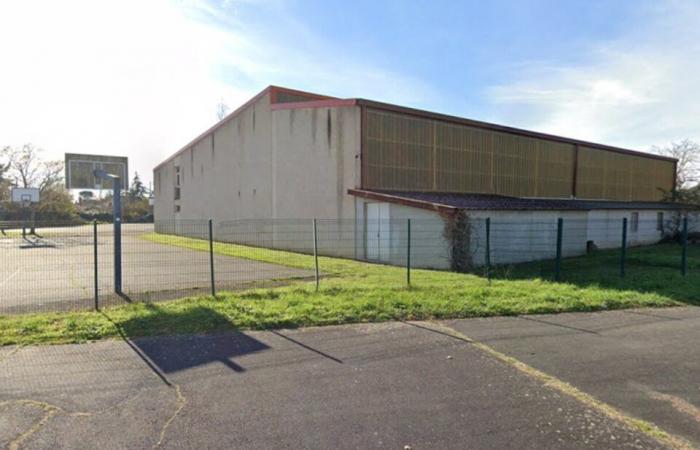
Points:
point(368, 166)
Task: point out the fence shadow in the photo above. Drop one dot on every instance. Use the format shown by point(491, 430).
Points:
point(648, 269)
point(168, 354)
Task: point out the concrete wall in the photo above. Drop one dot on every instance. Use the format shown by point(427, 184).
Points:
point(289, 163)
point(694, 222)
point(315, 160)
point(316, 155)
point(605, 227)
point(521, 236)
point(273, 169)
point(429, 248)
point(516, 236)
point(226, 175)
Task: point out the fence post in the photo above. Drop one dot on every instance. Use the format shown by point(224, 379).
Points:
point(117, 213)
point(94, 251)
point(408, 254)
point(557, 266)
point(623, 247)
point(211, 259)
point(684, 242)
point(316, 254)
point(488, 249)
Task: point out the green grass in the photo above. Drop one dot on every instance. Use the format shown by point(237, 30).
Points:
point(649, 269)
point(354, 292)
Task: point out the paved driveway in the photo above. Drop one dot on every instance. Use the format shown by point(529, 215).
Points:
point(364, 386)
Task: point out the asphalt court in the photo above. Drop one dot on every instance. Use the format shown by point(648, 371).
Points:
point(387, 385)
point(56, 272)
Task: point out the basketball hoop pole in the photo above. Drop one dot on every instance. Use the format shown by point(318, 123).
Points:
point(117, 213)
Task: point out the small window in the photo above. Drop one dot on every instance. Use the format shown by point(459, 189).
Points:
point(177, 208)
point(177, 176)
point(177, 193)
point(660, 221)
point(634, 222)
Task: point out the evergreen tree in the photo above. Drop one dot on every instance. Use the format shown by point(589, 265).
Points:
point(137, 190)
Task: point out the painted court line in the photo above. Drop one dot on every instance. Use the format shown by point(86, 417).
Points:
point(10, 277)
point(643, 426)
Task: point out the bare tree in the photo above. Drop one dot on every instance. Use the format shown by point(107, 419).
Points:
point(4, 184)
point(51, 176)
point(27, 168)
point(221, 110)
point(687, 153)
point(4, 177)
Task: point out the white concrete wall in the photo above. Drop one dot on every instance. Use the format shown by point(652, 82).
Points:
point(694, 222)
point(429, 248)
point(276, 170)
point(521, 236)
point(516, 236)
point(315, 161)
point(605, 227)
point(226, 175)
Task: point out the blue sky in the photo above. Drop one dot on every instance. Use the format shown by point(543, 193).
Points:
point(457, 47)
point(142, 78)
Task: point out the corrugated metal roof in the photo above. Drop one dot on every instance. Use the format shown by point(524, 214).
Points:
point(488, 201)
point(607, 204)
point(435, 200)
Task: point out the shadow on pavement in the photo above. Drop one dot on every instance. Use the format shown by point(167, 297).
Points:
point(172, 354)
point(167, 354)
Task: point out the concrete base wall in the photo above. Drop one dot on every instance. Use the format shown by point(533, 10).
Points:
point(429, 247)
point(333, 238)
point(516, 236)
point(605, 228)
point(522, 236)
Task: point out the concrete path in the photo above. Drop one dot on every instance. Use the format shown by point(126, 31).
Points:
point(364, 386)
point(645, 362)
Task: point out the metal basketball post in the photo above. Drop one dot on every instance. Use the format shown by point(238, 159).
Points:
point(117, 213)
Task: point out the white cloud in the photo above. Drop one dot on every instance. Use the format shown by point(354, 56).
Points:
point(105, 77)
point(637, 91)
point(141, 78)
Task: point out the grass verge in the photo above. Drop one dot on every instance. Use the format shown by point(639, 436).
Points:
point(354, 292)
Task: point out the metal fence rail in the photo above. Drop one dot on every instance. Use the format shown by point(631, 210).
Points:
point(63, 266)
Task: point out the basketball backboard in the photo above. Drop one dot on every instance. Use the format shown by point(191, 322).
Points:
point(25, 196)
point(80, 171)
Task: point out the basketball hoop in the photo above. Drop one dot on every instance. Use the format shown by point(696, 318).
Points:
point(25, 196)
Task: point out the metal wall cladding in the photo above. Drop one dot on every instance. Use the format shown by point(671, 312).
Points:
point(411, 153)
point(402, 152)
point(397, 152)
point(615, 176)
